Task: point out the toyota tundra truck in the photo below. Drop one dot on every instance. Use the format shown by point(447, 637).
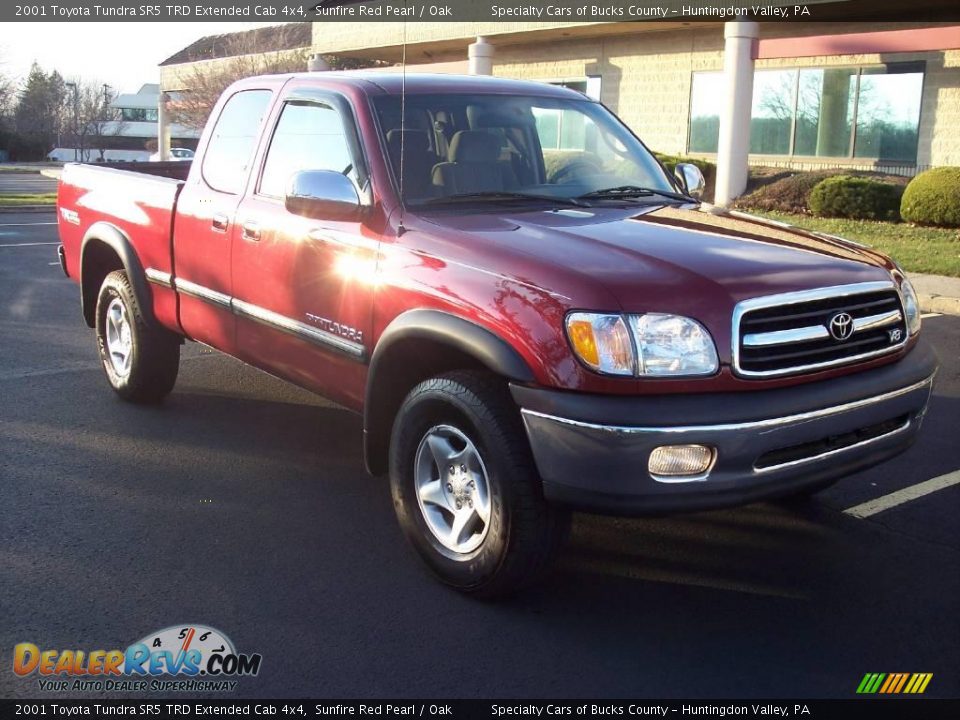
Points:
point(529, 312)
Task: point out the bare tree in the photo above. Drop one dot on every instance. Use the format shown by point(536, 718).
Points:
point(104, 122)
point(93, 121)
point(243, 55)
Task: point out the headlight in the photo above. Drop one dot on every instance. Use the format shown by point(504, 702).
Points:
point(602, 342)
point(671, 345)
point(911, 306)
point(660, 346)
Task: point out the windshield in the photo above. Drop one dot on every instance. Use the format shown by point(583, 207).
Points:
point(461, 146)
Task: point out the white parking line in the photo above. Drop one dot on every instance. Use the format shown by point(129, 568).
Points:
point(885, 502)
point(25, 224)
point(28, 244)
point(930, 315)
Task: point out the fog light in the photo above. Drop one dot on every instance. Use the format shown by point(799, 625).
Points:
point(676, 463)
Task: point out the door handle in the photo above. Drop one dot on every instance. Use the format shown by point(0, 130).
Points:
point(251, 231)
point(219, 222)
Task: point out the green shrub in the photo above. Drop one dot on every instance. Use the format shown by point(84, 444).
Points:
point(708, 169)
point(790, 194)
point(556, 160)
point(856, 198)
point(933, 198)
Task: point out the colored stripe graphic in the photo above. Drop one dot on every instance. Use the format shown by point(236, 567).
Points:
point(894, 683)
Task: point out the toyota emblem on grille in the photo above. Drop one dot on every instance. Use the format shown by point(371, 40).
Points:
point(841, 326)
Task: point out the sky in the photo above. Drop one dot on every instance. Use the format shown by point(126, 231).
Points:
point(123, 55)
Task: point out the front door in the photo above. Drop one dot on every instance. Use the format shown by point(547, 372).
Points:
point(303, 286)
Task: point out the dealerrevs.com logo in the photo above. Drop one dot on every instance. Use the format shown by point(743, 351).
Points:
point(177, 658)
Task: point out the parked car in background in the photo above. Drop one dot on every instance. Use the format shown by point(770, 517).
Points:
point(523, 332)
point(175, 154)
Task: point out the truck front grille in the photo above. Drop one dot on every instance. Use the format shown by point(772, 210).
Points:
point(816, 329)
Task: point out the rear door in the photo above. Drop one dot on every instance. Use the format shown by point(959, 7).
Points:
point(204, 224)
point(304, 286)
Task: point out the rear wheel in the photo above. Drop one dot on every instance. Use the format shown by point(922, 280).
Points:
point(465, 488)
point(140, 359)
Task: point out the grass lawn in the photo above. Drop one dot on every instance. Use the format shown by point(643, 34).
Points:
point(28, 199)
point(917, 249)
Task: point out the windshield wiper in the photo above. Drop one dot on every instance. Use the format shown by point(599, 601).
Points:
point(501, 195)
point(628, 191)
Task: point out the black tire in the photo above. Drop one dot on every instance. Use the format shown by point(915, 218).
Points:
point(524, 531)
point(154, 350)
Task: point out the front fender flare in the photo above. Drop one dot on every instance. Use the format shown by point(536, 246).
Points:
point(464, 337)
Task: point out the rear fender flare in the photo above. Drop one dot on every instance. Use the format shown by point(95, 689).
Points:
point(119, 242)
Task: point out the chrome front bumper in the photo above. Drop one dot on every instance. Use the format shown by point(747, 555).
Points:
point(604, 466)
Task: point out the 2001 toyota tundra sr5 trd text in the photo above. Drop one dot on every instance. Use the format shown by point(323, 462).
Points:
point(530, 313)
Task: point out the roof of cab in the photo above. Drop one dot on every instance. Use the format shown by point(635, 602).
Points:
point(425, 83)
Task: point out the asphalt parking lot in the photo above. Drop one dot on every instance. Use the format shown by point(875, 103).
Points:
point(26, 183)
point(241, 503)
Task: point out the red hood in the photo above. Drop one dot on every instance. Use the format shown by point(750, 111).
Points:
point(664, 258)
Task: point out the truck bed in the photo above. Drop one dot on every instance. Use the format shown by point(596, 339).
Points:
point(173, 169)
point(135, 201)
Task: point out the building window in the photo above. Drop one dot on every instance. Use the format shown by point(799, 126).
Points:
point(869, 112)
point(139, 114)
point(563, 129)
point(589, 86)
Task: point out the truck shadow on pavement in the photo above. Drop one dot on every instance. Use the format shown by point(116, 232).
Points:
point(253, 495)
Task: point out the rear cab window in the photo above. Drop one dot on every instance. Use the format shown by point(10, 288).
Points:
point(226, 161)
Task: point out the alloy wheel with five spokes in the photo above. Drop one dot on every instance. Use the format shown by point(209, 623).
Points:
point(453, 490)
point(119, 337)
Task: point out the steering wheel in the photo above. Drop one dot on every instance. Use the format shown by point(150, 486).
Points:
point(575, 168)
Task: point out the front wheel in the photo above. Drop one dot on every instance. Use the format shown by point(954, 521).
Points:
point(465, 488)
point(140, 359)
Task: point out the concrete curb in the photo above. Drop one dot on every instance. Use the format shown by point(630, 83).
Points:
point(939, 304)
point(937, 293)
point(10, 209)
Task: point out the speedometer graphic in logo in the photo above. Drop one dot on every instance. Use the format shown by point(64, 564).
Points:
point(181, 649)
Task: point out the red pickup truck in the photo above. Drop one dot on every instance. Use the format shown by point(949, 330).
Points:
point(530, 313)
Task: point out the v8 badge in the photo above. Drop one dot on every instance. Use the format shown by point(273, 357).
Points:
point(896, 335)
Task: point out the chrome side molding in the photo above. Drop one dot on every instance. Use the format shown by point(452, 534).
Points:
point(262, 315)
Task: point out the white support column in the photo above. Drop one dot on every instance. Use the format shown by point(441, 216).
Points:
point(480, 54)
point(734, 146)
point(163, 127)
point(316, 63)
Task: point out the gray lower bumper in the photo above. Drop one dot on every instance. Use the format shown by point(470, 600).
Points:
point(604, 466)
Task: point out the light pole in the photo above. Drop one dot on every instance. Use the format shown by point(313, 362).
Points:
point(76, 119)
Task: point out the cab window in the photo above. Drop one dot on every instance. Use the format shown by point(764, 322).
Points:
point(227, 159)
point(308, 136)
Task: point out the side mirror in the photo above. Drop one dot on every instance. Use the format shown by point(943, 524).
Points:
point(691, 179)
point(322, 194)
